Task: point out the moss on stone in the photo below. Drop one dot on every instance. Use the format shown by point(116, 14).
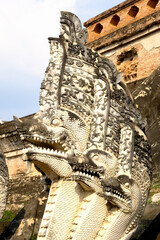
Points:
point(8, 216)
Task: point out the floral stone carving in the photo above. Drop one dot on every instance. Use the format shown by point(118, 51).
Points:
point(87, 138)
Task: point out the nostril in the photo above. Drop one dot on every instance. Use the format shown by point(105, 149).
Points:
point(63, 137)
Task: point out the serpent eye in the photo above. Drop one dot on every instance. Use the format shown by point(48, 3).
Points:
point(126, 185)
point(56, 122)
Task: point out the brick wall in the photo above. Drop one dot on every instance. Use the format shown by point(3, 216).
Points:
point(120, 16)
point(138, 59)
point(133, 44)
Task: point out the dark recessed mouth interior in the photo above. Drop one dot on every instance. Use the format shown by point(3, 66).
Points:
point(86, 172)
point(47, 144)
point(111, 192)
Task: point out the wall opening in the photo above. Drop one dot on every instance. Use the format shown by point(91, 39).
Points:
point(133, 11)
point(127, 63)
point(152, 3)
point(115, 20)
point(98, 28)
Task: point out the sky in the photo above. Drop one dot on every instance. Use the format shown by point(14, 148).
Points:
point(25, 26)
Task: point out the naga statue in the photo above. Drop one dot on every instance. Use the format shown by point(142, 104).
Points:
point(4, 180)
point(88, 139)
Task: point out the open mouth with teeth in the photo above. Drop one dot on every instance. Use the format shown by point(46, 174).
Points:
point(51, 155)
point(37, 138)
point(56, 147)
point(116, 197)
point(86, 174)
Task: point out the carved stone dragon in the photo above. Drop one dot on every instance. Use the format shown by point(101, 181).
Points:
point(87, 139)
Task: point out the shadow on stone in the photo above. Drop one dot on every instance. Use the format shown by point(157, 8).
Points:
point(12, 227)
point(152, 231)
point(27, 222)
point(148, 230)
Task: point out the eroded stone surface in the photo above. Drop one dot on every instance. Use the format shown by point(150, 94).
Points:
point(156, 198)
point(26, 224)
point(3, 183)
point(147, 98)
